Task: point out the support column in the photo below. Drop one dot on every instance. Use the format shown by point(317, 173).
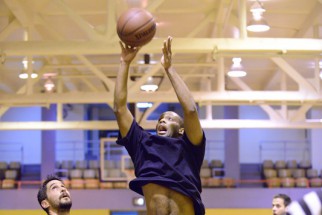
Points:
point(316, 141)
point(48, 143)
point(231, 139)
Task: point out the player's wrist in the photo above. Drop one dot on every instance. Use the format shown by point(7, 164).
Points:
point(124, 62)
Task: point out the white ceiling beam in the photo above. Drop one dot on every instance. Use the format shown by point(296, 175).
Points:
point(299, 115)
point(116, 65)
point(85, 26)
point(21, 91)
point(21, 11)
point(11, 27)
point(154, 5)
point(109, 84)
point(293, 74)
point(223, 46)
point(217, 98)
point(268, 109)
point(112, 125)
point(275, 78)
point(111, 19)
point(310, 20)
point(89, 84)
point(244, 123)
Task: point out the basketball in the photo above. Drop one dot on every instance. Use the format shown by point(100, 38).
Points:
point(136, 27)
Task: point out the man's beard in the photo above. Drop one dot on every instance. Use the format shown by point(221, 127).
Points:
point(65, 206)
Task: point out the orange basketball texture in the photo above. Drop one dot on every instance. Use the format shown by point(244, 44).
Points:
point(136, 27)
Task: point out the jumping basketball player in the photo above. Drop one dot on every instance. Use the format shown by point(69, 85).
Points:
point(167, 165)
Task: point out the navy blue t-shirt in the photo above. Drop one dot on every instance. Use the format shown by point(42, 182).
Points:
point(172, 162)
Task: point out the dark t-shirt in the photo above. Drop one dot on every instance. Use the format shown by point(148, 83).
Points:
point(171, 162)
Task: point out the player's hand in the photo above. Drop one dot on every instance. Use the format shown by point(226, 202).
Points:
point(128, 53)
point(167, 54)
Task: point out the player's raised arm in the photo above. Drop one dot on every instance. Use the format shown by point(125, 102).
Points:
point(123, 115)
point(192, 125)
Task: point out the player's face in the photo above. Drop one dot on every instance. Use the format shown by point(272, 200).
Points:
point(58, 197)
point(278, 206)
point(169, 125)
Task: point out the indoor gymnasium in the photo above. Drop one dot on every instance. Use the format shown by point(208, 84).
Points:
point(159, 107)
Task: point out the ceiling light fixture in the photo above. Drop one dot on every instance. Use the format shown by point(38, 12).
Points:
point(49, 84)
point(24, 75)
point(236, 69)
point(257, 23)
point(149, 86)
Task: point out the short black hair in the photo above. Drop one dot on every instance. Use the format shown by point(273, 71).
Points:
point(42, 193)
point(286, 198)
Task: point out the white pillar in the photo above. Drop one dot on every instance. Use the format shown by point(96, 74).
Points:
point(316, 141)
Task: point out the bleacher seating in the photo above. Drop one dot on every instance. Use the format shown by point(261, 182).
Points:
point(290, 174)
point(10, 174)
point(82, 174)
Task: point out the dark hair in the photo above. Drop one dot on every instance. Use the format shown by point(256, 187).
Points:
point(286, 198)
point(42, 193)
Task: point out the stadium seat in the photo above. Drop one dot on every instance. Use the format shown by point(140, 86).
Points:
point(291, 164)
point(205, 172)
point(93, 164)
point(312, 173)
point(273, 182)
point(205, 164)
point(270, 173)
point(76, 173)
point(298, 173)
point(9, 184)
point(15, 165)
point(77, 183)
point(216, 164)
point(287, 182)
point(228, 182)
point(11, 174)
point(315, 182)
point(268, 164)
point(91, 183)
point(301, 182)
point(89, 173)
point(284, 173)
point(214, 182)
point(81, 164)
point(280, 164)
point(204, 182)
point(109, 164)
point(106, 185)
point(305, 164)
point(67, 164)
